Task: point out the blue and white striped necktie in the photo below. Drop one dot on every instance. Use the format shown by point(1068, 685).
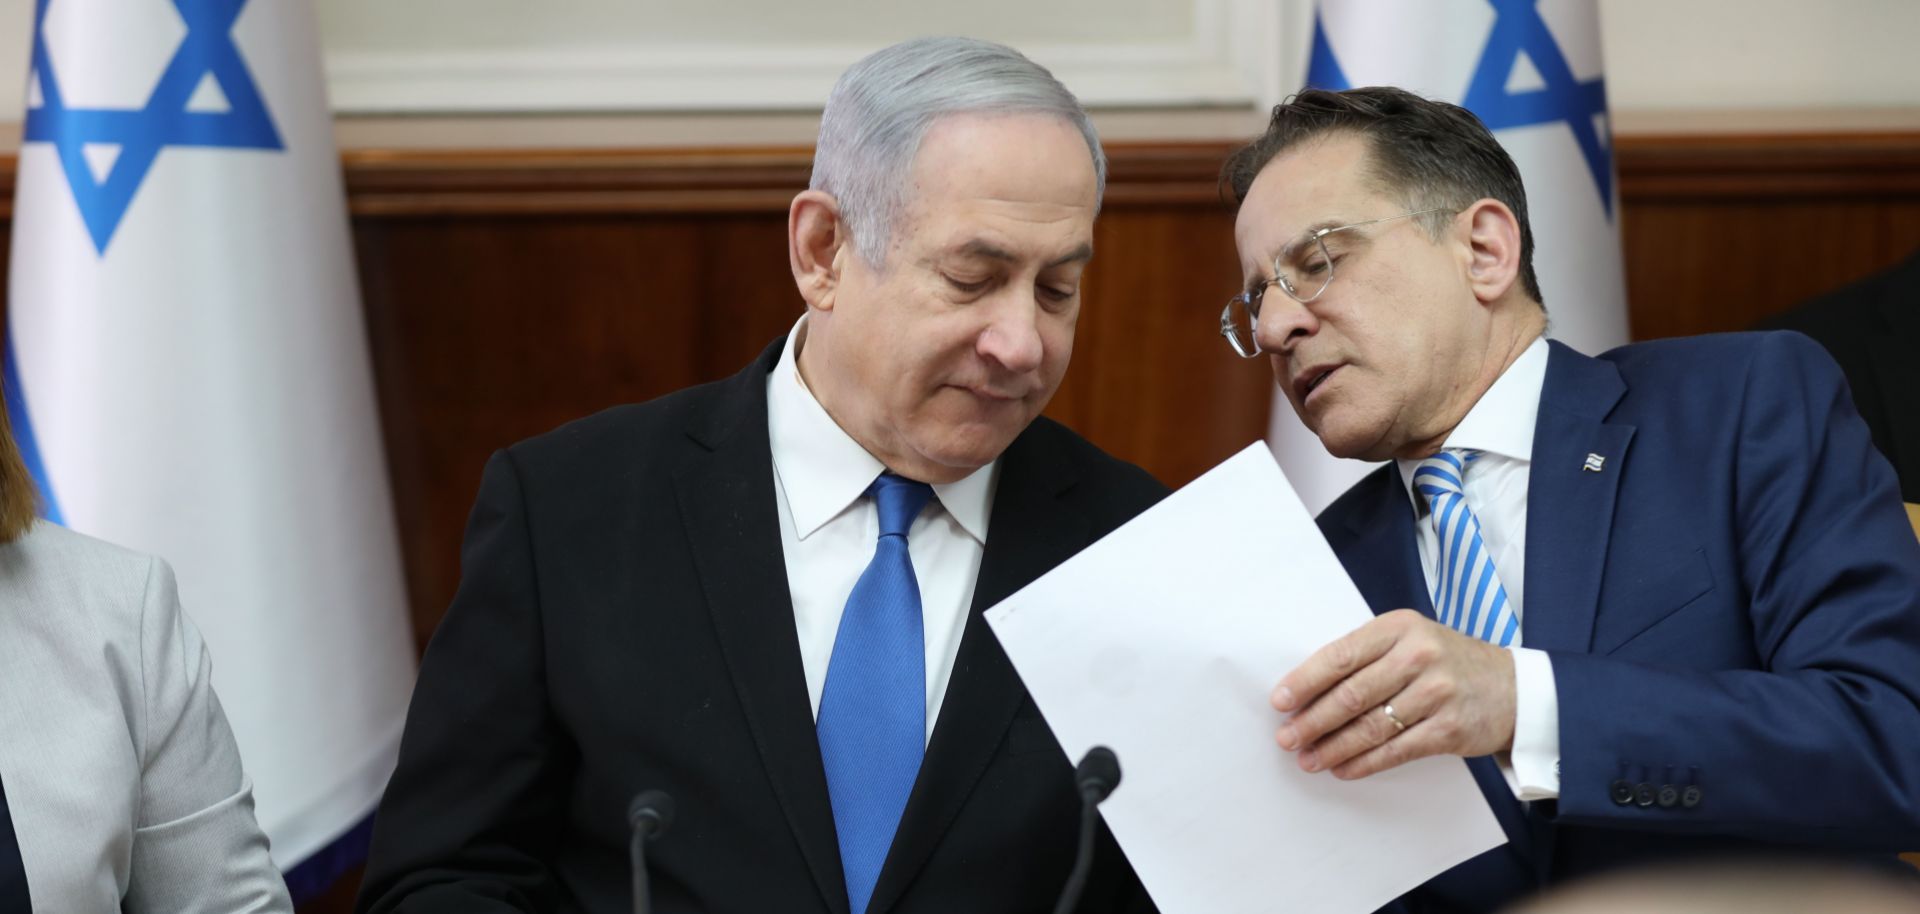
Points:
point(1467, 593)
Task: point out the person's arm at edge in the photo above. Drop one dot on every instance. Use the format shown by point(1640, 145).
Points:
point(196, 844)
point(476, 796)
point(1816, 749)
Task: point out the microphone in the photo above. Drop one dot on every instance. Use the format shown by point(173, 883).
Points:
point(1095, 777)
point(648, 816)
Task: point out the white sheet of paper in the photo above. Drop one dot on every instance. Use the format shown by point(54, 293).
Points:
point(1162, 641)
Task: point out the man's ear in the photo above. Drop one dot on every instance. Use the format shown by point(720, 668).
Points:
point(816, 239)
point(1493, 245)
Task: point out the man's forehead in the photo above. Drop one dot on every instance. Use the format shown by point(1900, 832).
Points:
point(1320, 184)
point(970, 240)
point(967, 140)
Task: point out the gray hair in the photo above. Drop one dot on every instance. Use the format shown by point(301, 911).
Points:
point(883, 106)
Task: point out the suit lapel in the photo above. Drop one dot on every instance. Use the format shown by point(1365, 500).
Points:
point(1030, 532)
point(1382, 556)
point(726, 498)
point(1569, 506)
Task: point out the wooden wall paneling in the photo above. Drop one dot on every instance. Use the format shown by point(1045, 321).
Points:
point(1702, 267)
point(1720, 231)
point(749, 297)
point(1151, 380)
point(570, 182)
point(487, 330)
point(1769, 166)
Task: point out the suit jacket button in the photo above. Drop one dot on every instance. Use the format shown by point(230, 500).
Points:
point(1643, 794)
point(1621, 791)
point(1691, 797)
point(1669, 796)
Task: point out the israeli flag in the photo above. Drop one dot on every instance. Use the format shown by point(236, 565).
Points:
point(187, 372)
point(1532, 73)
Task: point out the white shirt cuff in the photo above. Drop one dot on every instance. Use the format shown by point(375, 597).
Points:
point(1532, 769)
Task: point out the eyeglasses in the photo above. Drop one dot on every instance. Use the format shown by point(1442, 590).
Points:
point(1304, 282)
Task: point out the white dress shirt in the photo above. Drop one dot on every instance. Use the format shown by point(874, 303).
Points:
point(1500, 427)
point(829, 530)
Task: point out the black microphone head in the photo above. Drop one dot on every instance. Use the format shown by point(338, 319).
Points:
point(651, 810)
point(1098, 773)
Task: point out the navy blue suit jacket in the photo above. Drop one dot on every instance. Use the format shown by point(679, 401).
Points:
point(1731, 606)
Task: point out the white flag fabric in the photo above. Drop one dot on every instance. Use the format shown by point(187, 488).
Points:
point(1532, 72)
point(187, 372)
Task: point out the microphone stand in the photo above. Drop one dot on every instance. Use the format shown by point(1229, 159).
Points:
point(1095, 777)
point(648, 816)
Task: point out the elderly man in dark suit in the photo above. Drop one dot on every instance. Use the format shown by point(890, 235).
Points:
point(1664, 600)
point(763, 595)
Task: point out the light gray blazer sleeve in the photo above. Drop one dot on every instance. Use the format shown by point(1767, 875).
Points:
point(122, 776)
point(196, 845)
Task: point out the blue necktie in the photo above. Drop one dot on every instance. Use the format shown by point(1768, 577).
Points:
point(873, 711)
point(1467, 593)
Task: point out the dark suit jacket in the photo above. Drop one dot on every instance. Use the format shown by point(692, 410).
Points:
point(1872, 328)
point(1731, 607)
point(623, 623)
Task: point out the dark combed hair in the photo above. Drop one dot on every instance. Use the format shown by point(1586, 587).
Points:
point(1426, 154)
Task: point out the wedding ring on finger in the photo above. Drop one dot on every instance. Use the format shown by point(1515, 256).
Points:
point(1387, 709)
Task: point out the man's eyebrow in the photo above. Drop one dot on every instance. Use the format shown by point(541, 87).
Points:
point(1082, 253)
point(988, 250)
point(1306, 235)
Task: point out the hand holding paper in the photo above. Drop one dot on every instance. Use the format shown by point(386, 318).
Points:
point(1399, 688)
point(1163, 641)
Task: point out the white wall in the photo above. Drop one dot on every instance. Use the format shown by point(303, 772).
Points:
point(486, 55)
point(1747, 54)
point(663, 55)
point(512, 24)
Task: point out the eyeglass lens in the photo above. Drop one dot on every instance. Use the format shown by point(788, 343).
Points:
point(1302, 277)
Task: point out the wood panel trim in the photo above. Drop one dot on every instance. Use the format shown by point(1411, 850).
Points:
point(1782, 166)
point(416, 183)
point(427, 183)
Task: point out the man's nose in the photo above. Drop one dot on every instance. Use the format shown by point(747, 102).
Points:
point(1283, 322)
point(1012, 337)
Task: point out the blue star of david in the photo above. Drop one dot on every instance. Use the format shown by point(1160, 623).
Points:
point(165, 121)
point(1517, 28)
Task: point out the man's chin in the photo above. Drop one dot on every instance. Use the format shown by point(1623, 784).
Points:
point(966, 449)
point(968, 459)
point(1348, 442)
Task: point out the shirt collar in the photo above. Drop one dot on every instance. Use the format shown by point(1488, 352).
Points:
point(1501, 423)
point(824, 471)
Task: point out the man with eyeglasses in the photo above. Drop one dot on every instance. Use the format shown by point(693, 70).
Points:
point(1664, 601)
